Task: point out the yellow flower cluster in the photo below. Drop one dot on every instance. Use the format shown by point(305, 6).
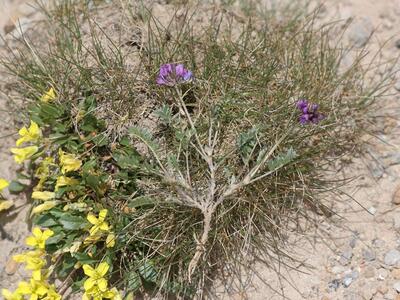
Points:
point(4, 204)
point(31, 134)
point(100, 226)
point(37, 287)
point(96, 285)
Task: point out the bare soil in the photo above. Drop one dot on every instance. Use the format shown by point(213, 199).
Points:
point(347, 258)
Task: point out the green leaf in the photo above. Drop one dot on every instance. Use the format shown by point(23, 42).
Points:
point(142, 201)
point(55, 239)
point(45, 221)
point(146, 137)
point(133, 282)
point(84, 258)
point(165, 114)
point(147, 271)
point(282, 160)
point(246, 144)
point(73, 222)
point(16, 187)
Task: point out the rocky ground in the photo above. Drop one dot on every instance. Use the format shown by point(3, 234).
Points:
point(356, 254)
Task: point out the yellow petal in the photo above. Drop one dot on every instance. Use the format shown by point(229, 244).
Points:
point(92, 219)
point(3, 184)
point(37, 275)
point(89, 283)
point(19, 258)
point(102, 284)
point(31, 241)
point(49, 95)
point(5, 204)
point(22, 154)
point(24, 288)
point(102, 214)
point(37, 232)
point(102, 268)
point(110, 240)
point(44, 207)
point(47, 233)
point(104, 226)
point(44, 196)
point(89, 271)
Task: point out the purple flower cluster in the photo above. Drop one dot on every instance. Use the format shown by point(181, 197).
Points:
point(309, 112)
point(173, 74)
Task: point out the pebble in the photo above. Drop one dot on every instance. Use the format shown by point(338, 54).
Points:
point(397, 44)
point(333, 285)
point(372, 210)
point(396, 221)
point(346, 256)
point(396, 273)
point(369, 272)
point(396, 196)
point(383, 289)
point(337, 269)
point(360, 32)
point(349, 278)
point(396, 286)
point(378, 243)
point(11, 266)
point(368, 255)
point(382, 274)
point(392, 257)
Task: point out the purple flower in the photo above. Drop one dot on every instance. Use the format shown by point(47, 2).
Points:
point(172, 74)
point(309, 112)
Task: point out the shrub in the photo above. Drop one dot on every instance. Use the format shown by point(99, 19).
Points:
point(173, 158)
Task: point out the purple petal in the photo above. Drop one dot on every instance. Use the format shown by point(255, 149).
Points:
point(179, 71)
point(302, 103)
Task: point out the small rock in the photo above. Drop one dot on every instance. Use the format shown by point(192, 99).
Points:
point(11, 267)
point(347, 281)
point(382, 274)
point(360, 32)
point(369, 272)
point(337, 270)
point(396, 273)
point(392, 257)
point(372, 210)
point(397, 44)
point(333, 285)
point(396, 221)
point(383, 289)
point(396, 286)
point(396, 196)
point(378, 243)
point(346, 256)
point(368, 255)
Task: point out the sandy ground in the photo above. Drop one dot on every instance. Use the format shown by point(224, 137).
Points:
point(357, 254)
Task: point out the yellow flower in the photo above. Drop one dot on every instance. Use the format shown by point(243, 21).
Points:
point(3, 184)
point(31, 134)
point(34, 262)
point(42, 172)
point(52, 295)
point(22, 154)
point(110, 240)
point(44, 196)
point(11, 296)
point(64, 181)
point(44, 207)
point(50, 95)
point(5, 204)
point(36, 289)
point(96, 294)
point(68, 162)
point(96, 277)
point(38, 239)
point(98, 223)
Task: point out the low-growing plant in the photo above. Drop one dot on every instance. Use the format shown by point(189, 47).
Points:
point(172, 158)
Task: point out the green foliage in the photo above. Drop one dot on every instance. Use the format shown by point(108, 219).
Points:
point(160, 158)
